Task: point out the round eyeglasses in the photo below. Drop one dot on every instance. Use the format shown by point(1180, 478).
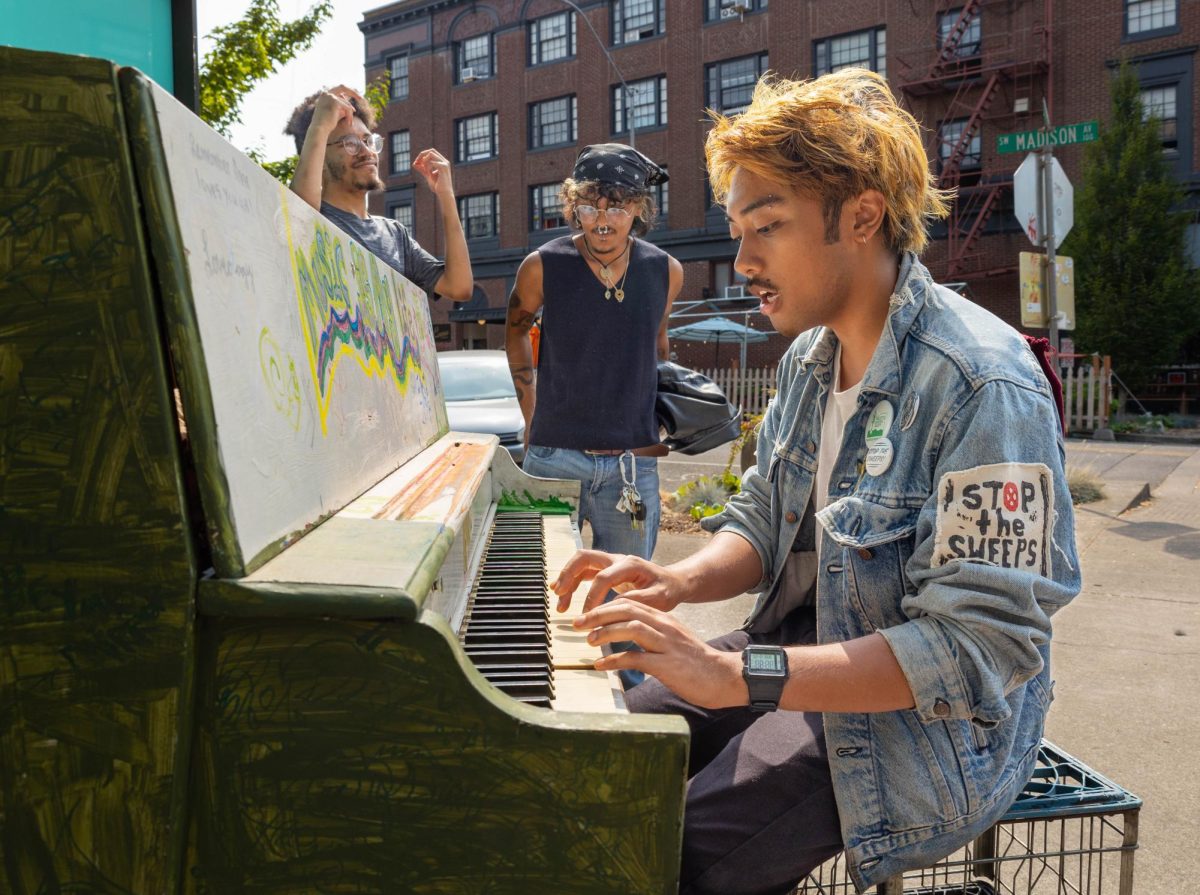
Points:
point(353, 145)
point(613, 214)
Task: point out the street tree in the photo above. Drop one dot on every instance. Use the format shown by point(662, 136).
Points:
point(249, 50)
point(1136, 293)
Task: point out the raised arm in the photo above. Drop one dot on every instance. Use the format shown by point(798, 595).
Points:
point(331, 110)
point(458, 281)
point(523, 305)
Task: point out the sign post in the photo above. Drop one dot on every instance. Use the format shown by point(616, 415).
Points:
point(1043, 198)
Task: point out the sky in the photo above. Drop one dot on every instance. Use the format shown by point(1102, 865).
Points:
point(336, 57)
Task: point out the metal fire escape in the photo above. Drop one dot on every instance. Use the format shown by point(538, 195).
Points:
point(973, 85)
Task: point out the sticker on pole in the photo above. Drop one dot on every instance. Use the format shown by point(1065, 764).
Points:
point(999, 514)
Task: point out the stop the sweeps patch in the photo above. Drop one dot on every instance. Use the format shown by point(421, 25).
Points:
point(999, 514)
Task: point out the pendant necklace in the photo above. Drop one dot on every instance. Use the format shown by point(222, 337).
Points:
point(606, 271)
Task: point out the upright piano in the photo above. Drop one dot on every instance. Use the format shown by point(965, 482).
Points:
point(266, 626)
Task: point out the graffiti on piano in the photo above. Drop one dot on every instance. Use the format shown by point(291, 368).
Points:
point(282, 381)
point(366, 313)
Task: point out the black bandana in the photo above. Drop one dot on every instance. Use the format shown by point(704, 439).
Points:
point(616, 164)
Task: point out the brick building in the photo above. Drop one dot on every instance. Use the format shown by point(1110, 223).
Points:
point(510, 89)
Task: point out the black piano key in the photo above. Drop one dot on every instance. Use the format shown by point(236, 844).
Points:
point(507, 634)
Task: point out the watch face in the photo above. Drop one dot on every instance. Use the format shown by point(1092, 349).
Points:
point(766, 661)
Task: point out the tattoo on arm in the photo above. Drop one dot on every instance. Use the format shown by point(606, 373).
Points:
point(522, 380)
point(518, 318)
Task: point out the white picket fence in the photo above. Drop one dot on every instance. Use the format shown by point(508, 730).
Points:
point(748, 389)
point(1087, 389)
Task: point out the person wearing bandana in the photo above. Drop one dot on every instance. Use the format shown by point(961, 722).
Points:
point(604, 294)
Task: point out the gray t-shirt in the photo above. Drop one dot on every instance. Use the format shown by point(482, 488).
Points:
point(391, 243)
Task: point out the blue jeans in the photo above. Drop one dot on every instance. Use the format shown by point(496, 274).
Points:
point(600, 490)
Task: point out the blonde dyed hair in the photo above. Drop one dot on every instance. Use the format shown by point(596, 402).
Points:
point(831, 139)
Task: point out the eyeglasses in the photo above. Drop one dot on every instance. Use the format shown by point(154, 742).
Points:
point(353, 145)
point(614, 214)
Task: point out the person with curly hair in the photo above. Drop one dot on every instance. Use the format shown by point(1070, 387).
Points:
point(604, 294)
point(908, 527)
point(339, 167)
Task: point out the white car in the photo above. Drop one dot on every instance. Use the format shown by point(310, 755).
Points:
point(480, 397)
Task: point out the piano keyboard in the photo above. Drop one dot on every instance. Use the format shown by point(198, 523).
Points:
point(513, 633)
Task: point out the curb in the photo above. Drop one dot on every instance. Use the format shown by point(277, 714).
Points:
point(1146, 438)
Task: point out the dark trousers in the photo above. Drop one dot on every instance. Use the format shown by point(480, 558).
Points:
point(760, 808)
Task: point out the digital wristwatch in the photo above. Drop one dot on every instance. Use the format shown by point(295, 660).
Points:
point(765, 670)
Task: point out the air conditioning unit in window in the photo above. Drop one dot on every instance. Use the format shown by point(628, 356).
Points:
point(734, 292)
point(467, 75)
point(736, 8)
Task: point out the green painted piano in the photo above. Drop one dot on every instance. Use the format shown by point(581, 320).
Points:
point(242, 560)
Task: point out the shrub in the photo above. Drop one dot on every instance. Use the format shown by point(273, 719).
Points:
point(1085, 486)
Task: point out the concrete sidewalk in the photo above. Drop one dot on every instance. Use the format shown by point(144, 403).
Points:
point(1126, 651)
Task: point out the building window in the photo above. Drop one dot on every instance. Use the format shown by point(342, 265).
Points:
point(403, 213)
point(1161, 103)
point(553, 122)
point(475, 57)
point(949, 136)
point(634, 20)
point(546, 207)
point(662, 197)
point(401, 147)
point(865, 49)
point(731, 83)
point(970, 40)
point(648, 104)
point(552, 38)
point(476, 138)
point(716, 10)
point(480, 215)
point(1145, 18)
point(398, 77)
point(1165, 89)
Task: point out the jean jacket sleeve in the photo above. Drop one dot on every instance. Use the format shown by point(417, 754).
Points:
point(994, 556)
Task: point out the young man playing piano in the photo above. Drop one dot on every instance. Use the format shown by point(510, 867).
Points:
point(908, 525)
point(339, 168)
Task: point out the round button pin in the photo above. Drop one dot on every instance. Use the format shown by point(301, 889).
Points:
point(879, 456)
point(879, 423)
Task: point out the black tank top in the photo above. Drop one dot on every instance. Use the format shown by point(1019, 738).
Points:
point(598, 359)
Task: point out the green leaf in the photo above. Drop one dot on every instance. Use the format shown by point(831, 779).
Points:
point(249, 50)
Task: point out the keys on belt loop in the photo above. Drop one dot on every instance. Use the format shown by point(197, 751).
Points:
point(631, 501)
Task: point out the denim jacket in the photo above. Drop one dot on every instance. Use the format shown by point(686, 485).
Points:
point(955, 541)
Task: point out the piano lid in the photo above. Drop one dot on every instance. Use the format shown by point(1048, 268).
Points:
point(307, 366)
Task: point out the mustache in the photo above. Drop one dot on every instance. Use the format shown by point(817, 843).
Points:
point(761, 283)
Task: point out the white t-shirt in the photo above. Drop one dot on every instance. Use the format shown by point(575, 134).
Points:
point(800, 568)
point(839, 407)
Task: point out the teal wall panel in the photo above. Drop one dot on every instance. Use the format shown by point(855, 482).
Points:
point(132, 32)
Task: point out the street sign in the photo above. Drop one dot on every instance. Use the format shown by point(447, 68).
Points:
point(1026, 186)
point(1065, 135)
